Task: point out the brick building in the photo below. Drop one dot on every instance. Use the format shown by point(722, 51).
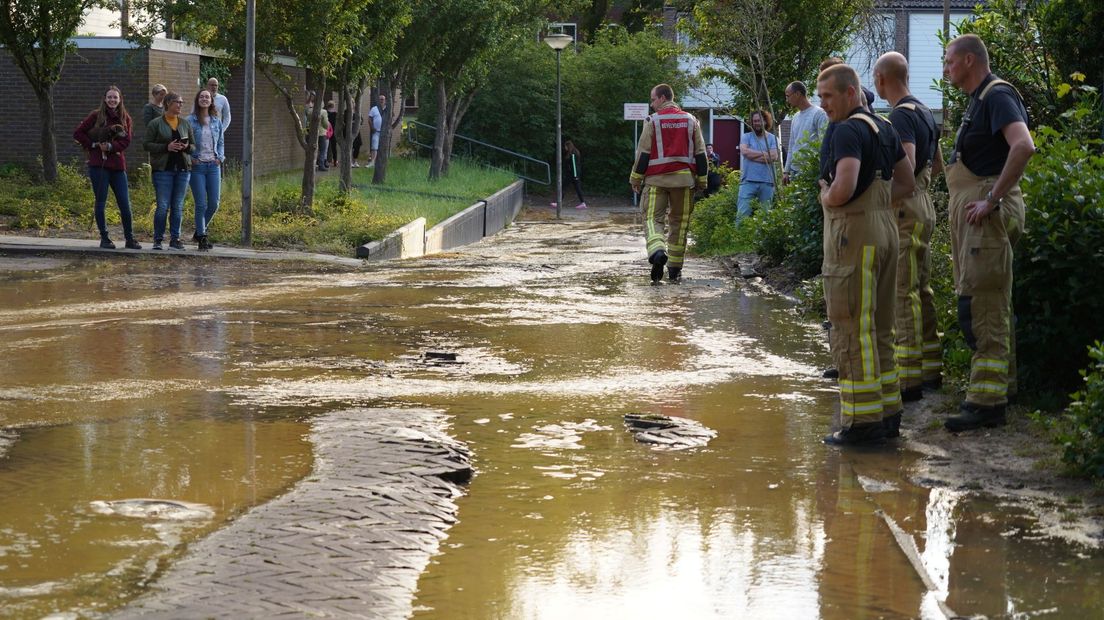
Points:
point(101, 61)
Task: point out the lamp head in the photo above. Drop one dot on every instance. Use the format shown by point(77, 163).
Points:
point(558, 41)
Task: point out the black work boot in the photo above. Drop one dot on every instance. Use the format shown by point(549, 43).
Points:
point(892, 424)
point(912, 394)
point(973, 416)
point(858, 435)
point(132, 244)
point(658, 259)
point(674, 274)
point(106, 243)
point(830, 373)
point(933, 384)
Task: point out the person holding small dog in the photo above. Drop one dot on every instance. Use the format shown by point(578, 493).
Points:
point(169, 141)
point(105, 135)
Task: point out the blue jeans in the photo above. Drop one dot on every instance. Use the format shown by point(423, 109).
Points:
point(750, 190)
point(323, 146)
point(116, 179)
point(170, 187)
point(206, 183)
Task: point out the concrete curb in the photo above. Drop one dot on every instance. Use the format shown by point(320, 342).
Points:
point(483, 219)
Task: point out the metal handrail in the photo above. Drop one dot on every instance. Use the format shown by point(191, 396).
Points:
point(412, 137)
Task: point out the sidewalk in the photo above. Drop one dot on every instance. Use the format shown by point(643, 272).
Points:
point(13, 244)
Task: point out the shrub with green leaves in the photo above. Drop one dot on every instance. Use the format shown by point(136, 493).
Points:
point(1059, 283)
point(712, 225)
point(1080, 431)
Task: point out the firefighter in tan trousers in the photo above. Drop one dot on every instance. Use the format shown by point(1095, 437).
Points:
point(864, 170)
point(919, 353)
point(670, 163)
point(992, 148)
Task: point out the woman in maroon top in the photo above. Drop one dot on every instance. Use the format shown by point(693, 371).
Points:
point(105, 135)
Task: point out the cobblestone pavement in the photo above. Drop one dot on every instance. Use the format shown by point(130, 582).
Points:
point(348, 541)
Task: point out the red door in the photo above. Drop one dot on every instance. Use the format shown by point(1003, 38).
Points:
point(726, 141)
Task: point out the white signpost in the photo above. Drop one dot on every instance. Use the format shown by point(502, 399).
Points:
point(636, 112)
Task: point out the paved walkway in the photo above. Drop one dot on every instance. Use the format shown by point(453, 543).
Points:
point(350, 540)
point(40, 245)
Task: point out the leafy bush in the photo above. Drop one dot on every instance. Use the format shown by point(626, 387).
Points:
point(1081, 430)
point(516, 109)
point(712, 225)
point(1059, 292)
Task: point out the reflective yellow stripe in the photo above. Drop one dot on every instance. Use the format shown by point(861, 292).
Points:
point(932, 346)
point(989, 387)
point(866, 319)
point(889, 377)
point(914, 284)
point(911, 372)
point(929, 364)
point(998, 365)
point(859, 387)
point(852, 408)
point(891, 400)
point(908, 352)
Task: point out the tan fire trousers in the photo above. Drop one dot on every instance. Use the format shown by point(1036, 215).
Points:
point(982, 256)
point(860, 286)
point(667, 220)
point(919, 354)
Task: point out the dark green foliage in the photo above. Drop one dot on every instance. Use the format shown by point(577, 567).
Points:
point(516, 110)
point(1080, 431)
point(1059, 292)
point(1071, 30)
point(712, 225)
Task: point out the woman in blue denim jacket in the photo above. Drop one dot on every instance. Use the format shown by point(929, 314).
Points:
point(207, 158)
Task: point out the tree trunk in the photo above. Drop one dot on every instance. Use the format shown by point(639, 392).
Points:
point(437, 160)
point(341, 138)
point(45, 96)
point(393, 121)
point(306, 197)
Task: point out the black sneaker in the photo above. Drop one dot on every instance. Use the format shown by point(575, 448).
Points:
point(892, 425)
point(973, 416)
point(674, 274)
point(912, 394)
point(857, 435)
point(203, 245)
point(131, 244)
point(106, 243)
point(157, 244)
point(830, 373)
point(176, 244)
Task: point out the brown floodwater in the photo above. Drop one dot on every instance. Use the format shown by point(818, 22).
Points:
point(196, 382)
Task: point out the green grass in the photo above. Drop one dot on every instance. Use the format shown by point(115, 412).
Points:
point(336, 224)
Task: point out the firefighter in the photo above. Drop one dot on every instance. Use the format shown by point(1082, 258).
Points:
point(864, 171)
point(670, 164)
point(919, 354)
point(992, 148)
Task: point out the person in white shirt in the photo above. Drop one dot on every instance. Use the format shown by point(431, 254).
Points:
point(807, 125)
point(221, 103)
point(376, 116)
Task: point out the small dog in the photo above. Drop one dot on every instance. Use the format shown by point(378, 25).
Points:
point(107, 133)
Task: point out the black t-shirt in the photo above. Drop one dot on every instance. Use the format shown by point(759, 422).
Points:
point(916, 127)
point(981, 145)
point(853, 138)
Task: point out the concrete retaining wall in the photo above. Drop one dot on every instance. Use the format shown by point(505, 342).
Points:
point(406, 242)
point(503, 207)
point(482, 219)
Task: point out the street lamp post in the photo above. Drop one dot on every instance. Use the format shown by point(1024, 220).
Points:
point(558, 42)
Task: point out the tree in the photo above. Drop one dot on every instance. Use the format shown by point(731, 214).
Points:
point(37, 34)
point(763, 45)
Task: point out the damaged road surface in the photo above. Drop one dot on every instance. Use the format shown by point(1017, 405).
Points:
point(522, 429)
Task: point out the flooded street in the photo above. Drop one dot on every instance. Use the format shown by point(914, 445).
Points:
point(196, 383)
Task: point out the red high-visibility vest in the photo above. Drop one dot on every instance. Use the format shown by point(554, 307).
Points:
point(672, 142)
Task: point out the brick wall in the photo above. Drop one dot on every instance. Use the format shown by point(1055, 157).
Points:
point(87, 74)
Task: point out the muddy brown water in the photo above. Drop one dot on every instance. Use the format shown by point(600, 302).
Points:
point(197, 381)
